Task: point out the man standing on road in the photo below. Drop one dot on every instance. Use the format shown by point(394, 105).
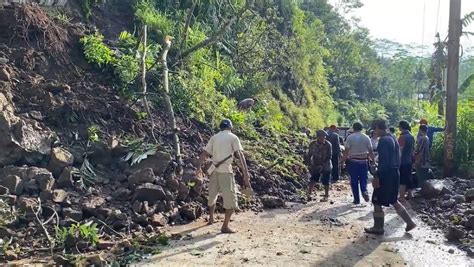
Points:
point(387, 180)
point(407, 147)
point(334, 139)
point(422, 156)
point(358, 150)
point(221, 148)
point(319, 164)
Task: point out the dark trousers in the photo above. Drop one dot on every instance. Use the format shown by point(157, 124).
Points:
point(358, 171)
point(335, 168)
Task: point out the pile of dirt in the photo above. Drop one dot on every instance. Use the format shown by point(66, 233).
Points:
point(65, 132)
point(448, 205)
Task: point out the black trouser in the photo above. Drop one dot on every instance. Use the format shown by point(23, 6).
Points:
point(335, 168)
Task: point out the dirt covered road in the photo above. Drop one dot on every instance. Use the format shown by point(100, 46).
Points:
point(312, 234)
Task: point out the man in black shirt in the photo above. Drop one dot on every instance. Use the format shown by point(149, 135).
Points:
point(387, 180)
point(334, 139)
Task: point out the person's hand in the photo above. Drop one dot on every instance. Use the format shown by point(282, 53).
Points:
point(375, 183)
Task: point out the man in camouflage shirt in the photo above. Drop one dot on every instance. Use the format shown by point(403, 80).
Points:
point(318, 160)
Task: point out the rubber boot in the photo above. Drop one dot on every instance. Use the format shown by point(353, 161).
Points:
point(379, 220)
point(402, 212)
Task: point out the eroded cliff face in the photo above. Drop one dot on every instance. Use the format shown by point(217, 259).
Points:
point(40, 2)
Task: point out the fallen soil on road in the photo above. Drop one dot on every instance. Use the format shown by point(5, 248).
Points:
point(312, 234)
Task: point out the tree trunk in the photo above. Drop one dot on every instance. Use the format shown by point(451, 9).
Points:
point(169, 106)
point(144, 92)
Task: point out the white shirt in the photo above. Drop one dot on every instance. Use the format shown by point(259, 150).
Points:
point(359, 145)
point(220, 146)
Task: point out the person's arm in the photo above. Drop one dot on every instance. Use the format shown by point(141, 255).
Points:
point(435, 129)
point(202, 158)
point(371, 150)
point(347, 149)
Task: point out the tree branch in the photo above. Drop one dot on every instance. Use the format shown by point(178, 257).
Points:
point(219, 34)
point(186, 26)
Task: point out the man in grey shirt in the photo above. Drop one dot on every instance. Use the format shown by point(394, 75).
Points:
point(357, 153)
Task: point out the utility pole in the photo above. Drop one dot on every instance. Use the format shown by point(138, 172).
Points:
point(455, 31)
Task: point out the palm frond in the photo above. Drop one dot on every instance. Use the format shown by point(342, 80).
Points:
point(467, 19)
point(466, 84)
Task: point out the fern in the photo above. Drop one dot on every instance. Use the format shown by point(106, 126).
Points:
point(467, 19)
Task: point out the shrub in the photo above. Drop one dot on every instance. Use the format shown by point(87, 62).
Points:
point(95, 51)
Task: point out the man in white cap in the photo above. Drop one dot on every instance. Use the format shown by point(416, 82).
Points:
point(221, 148)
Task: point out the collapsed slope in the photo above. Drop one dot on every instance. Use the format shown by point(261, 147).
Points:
point(66, 131)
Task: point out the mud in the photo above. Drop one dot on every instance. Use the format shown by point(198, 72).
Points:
point(312, 234)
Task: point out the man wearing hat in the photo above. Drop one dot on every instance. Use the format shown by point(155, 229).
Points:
point(431, 131)
point(221, 148)
point(318, 160)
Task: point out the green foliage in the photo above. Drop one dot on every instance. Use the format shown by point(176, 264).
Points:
point(95, 51)
point(70, 236)
point(126, 68)
point(93, 133)
point(87, 6)
point(7, 213)
point(147, 14)
point(138, 150)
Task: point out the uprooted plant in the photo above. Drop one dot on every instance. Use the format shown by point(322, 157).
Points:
point(73, 236)
point(139, 150)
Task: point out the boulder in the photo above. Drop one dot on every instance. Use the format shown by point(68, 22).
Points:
point(91, 204)
point(172, 184)
point(158, 220)
point(4, 75)
point(459, 199)
point(105, 244)
point(121, 194)
point(149, 192)
point(432, 188)
point(13, 183)
point(158, 162)
point(45, 182)
point(60, 159)
point(448, 203)
point(455, 233)
point(190, 212)
point(66, 179)
point(100, 153)
point(470, 222)
point(21, 138)
point(469, 195)
point(183, 191)
point(272, 202)
point(141, 177)
point(59, 195)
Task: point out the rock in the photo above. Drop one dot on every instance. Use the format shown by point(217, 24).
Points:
point(60, 260)
point(455, 233)
point(451, 251)
point(190, 212)
point(137, 206)
point(141, 177)
point(149, 192)
point(272, 202)
point(104, 213)
point(105, 244)
point(119, 225)
point(448, 203)
point(470, 222)
point(66, 179)
point(91, 204)
point(432, 188)
point(13, 183)
point(172, 184)
point(3, 61)
point(459, 199)
point(100, 154)
point(59, 195)
point(4, 75)
point(469, 195)
point(158, 162)
point(6, 233)
point(122, 194)
point(73, 214)
point(45, 182)
point(60, 159)
point(10, 255)
point(97, 260)
point(158, 220)
point(46, 195)
point(183, 191)
point(4, 191)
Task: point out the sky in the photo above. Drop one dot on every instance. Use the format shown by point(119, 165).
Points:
point(402, 20)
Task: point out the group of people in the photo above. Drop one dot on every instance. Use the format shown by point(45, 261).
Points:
point(388, 158)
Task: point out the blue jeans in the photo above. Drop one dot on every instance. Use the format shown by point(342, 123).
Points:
point(358, 170)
